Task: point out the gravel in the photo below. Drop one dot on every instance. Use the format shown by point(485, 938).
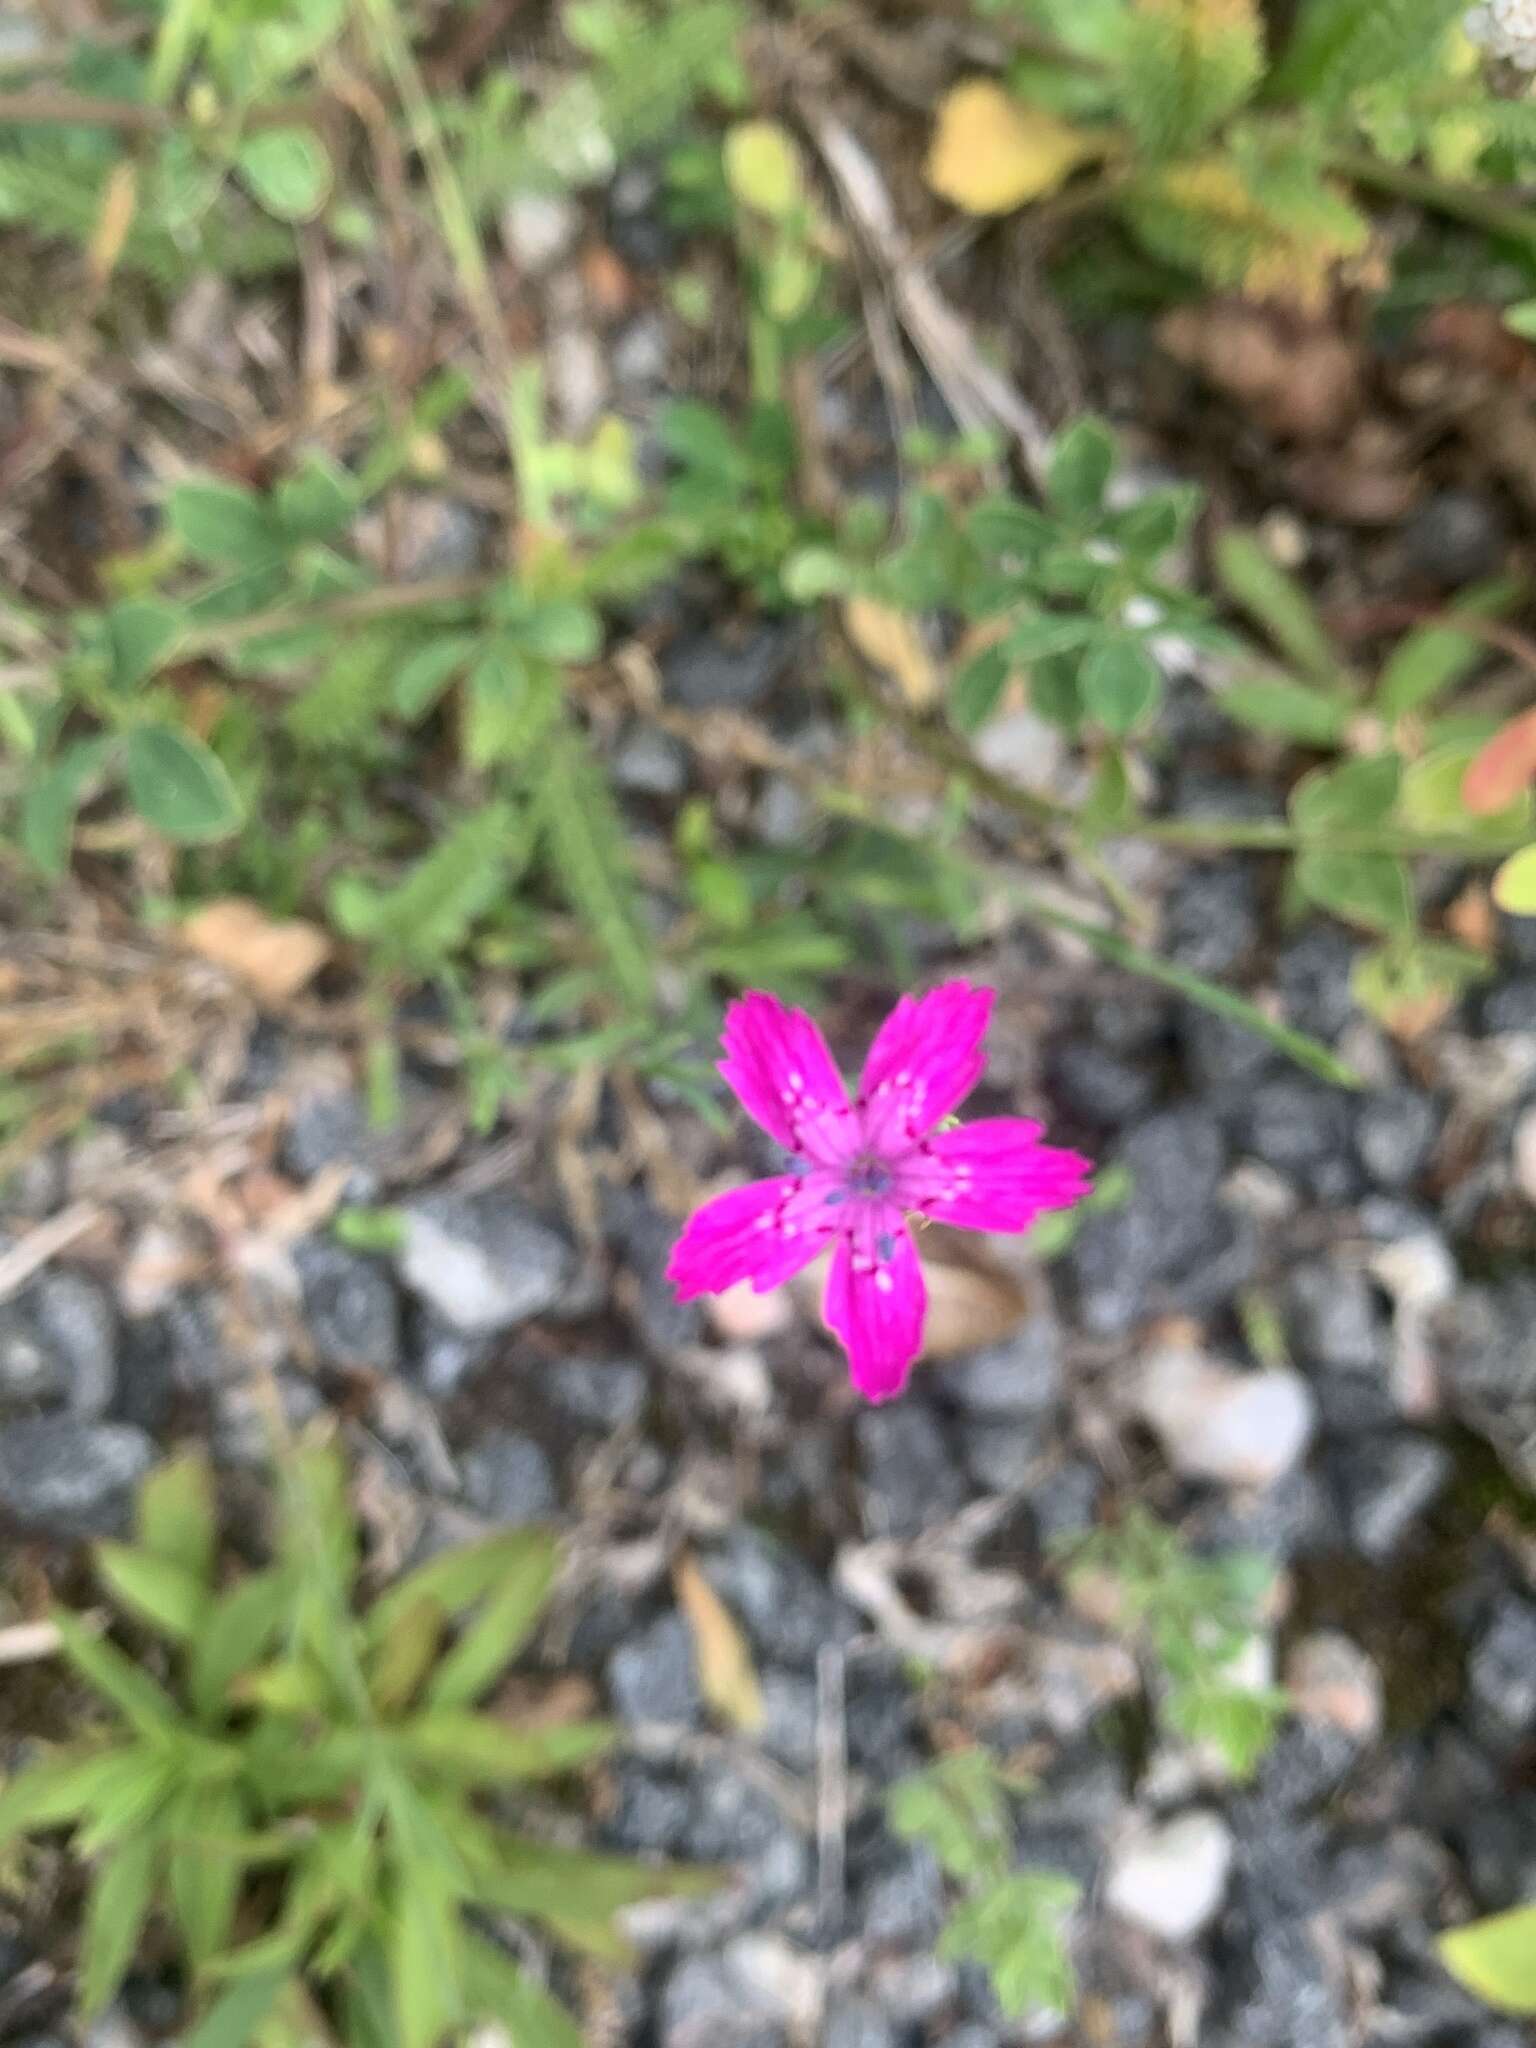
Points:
point(1388, 1485)
point(910, 1478)
point(710, 671)
point(1169, 1878)
point(482, 1263)
point(64, 1476)
point(351, 1307)
point(652, 1678)
point(508, 1479)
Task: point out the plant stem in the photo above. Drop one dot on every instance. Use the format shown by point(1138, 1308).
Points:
point(390, 600)
point(1485, 210)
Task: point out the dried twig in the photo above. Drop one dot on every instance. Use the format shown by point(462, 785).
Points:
point(43, 1243)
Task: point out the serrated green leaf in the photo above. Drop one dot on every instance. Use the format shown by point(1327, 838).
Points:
point(1370, 889)
point(562, 629)
point(427, 917)
point(1185, 67)
point(175, 1516)
point(152, 1589)
point(286, 170)
point(422, 677)
point(180, 786)
point(1495, 1959)
point(1277, 602)
point(115, 1911)
point(590, 861)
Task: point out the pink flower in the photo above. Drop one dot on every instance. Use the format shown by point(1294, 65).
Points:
point(860, 1168)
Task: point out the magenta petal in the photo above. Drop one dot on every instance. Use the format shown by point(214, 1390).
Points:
point(926, 1058)
point(993, 1174)
point(779, 1066)
point(764, 1232)
point(876, 1308)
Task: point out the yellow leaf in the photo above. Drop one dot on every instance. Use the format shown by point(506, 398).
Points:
point(762, 168)
point(1514, 886)
point(726, 1676)
point(275, 958)
point(990, 154)
point(892, 642)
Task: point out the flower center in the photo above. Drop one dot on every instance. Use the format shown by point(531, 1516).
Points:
point(869, 1176)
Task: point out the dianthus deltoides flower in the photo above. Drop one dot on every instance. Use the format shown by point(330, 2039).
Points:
point(861, 1168)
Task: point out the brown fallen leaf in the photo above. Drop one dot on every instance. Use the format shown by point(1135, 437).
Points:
point(726, 1674)
point(273, 957)
point(969, 1306)
point(1300, 377)
point(893, 642)
point(990, 154)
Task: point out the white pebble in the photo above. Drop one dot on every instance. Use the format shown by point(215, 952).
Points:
point(1169, 1877)
point(1214, 1422)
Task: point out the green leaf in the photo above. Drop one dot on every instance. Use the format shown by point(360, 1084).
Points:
point(980, 682)
point(1431, 798)
point(1338, 46)
point(404, 1655)
point(1121, 685)
point(423, 676)
point(115, 1911)
point(1409, 979)
point(1184, 69)
point(203, 1826)
point(539, 1880)
point(237, 2014)
point(1495, 1959)
point(762, 168)
point(151, 1589)
point(1034, 638)
point(179, 786)
point(222, 523)
point(1110, 802)
point(1425, 664)
point(473, 1749)
point(139, 631)
point(1286, 710)
point(590, 857)
point(1348, 798)
point(175, 1514)
point(959, 1807)
point(428, 916)
point(1306, 1051)
point(61, 1788)
point(1370, 889)
point(286, 170)
point(1277, 602)
point(1514, 885)
point(1082, 462)
point(52, 799)
point(424, 1959)
point(495, 1636)
point(1157, 522)
point(455, 1579)
point(101, 1664)
point(317, 501)
point(236, 1635)
point(562, 630)
point(496, 1988)
point(511, 705)
point(1016, 1929)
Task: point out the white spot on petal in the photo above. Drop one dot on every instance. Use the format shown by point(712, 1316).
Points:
point(884, 1281)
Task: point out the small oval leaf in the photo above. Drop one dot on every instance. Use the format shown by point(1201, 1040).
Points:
point(179, 786)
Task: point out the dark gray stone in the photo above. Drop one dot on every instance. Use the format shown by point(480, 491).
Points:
point(1292, 1994)
point(1220, 1054)
point(637, 228)
point(1002, 1453)
point(1212, 917)
point(910, 1479)
point(1336, 1318)
point(1020, 1376)
point(881, 1716)
point(1313, 972)
point(1395, 1132)
point(790, 1717)
point(652, 1677)
point(717, 671)
point(972, 2034)
point(507, 1479)
point(736, 1821)
point(857, 2023)
point(649, 762)
point(1294, 1124)
point(1174, 1160)
point(29, 1370)
point(331, 1128)
point(1509, 1006)
point(1100, 1086)
point(1454, 538)
point(599, 1393)
point(1065, 1500)
point(789, 1613)
point(71, 1478)
point(483, 1262)
point(706, 2003)
point(444, 1357)
point(646, 1238)
point(654, 1808)
point(1517, 939)
point(350, 1307)
point(1487, 1357)
point(1388, 1485)
point(59, 1344)
point(901, 1896)
point(1501, 1670)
